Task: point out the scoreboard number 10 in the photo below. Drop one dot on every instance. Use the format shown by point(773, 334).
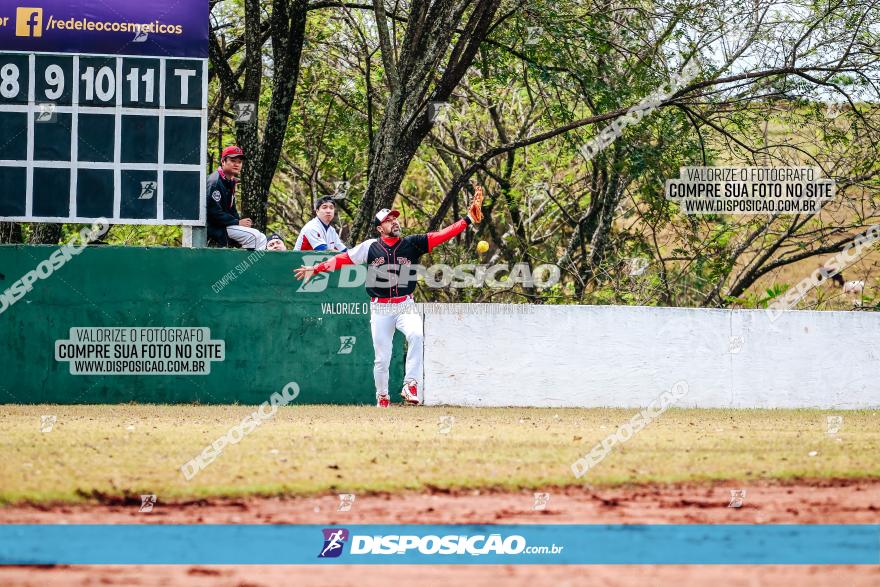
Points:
point(103, 84)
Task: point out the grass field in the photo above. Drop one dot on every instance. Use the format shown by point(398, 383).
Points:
point(102, 452)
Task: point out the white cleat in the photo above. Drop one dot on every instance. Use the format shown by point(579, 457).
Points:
point(410, 393)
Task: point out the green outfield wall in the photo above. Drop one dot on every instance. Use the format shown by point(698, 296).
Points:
point(211, 326)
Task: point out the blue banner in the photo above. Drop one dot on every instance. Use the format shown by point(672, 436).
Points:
point(143, 544)
point(114, 27)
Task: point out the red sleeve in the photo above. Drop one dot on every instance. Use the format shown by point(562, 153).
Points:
point(334, 263)
point(445, 234)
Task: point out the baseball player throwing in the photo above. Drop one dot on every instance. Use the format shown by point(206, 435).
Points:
point(391, 303)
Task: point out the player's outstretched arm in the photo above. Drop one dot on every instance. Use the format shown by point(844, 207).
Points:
point(475, 216)
point(354, 256)
point(331, 264)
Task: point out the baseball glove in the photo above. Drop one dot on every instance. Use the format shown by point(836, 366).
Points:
point(475, 211)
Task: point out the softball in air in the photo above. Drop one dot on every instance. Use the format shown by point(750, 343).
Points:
point(482, 247)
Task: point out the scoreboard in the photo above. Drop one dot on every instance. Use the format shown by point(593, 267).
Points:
point(88, 136)
point(114, 135)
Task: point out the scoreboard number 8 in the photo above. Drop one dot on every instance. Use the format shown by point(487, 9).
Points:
point(9, 86)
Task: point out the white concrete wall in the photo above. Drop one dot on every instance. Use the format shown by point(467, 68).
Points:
point(624, 356)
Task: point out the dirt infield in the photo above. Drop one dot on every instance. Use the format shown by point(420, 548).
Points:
point(840, 502)
point(825, 502)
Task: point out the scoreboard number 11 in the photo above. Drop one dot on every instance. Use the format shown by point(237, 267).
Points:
point(149, 79)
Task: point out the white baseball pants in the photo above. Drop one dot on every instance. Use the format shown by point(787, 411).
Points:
point(248, 238)
point(384, 319)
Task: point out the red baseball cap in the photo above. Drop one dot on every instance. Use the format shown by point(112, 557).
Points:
point(232, 151)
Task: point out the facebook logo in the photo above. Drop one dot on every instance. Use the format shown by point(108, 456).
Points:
point(29, 22)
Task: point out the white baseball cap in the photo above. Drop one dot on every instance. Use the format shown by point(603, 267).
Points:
point(383, 214)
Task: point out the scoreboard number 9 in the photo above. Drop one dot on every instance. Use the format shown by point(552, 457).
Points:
point(54, 82)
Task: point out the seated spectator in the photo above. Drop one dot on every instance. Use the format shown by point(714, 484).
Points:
point(317, 234)
point(276, 243)
point(224, 223)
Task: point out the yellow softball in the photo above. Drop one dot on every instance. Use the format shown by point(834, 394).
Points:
point(482, 247)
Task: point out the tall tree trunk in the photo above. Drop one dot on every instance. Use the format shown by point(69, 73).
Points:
point(394, 149)
point(412, 78)
point(286, 30)
point(599, 240)
point(288, 25)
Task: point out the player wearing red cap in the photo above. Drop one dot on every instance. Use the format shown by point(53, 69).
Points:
point(391, 300)
point(224, 222)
